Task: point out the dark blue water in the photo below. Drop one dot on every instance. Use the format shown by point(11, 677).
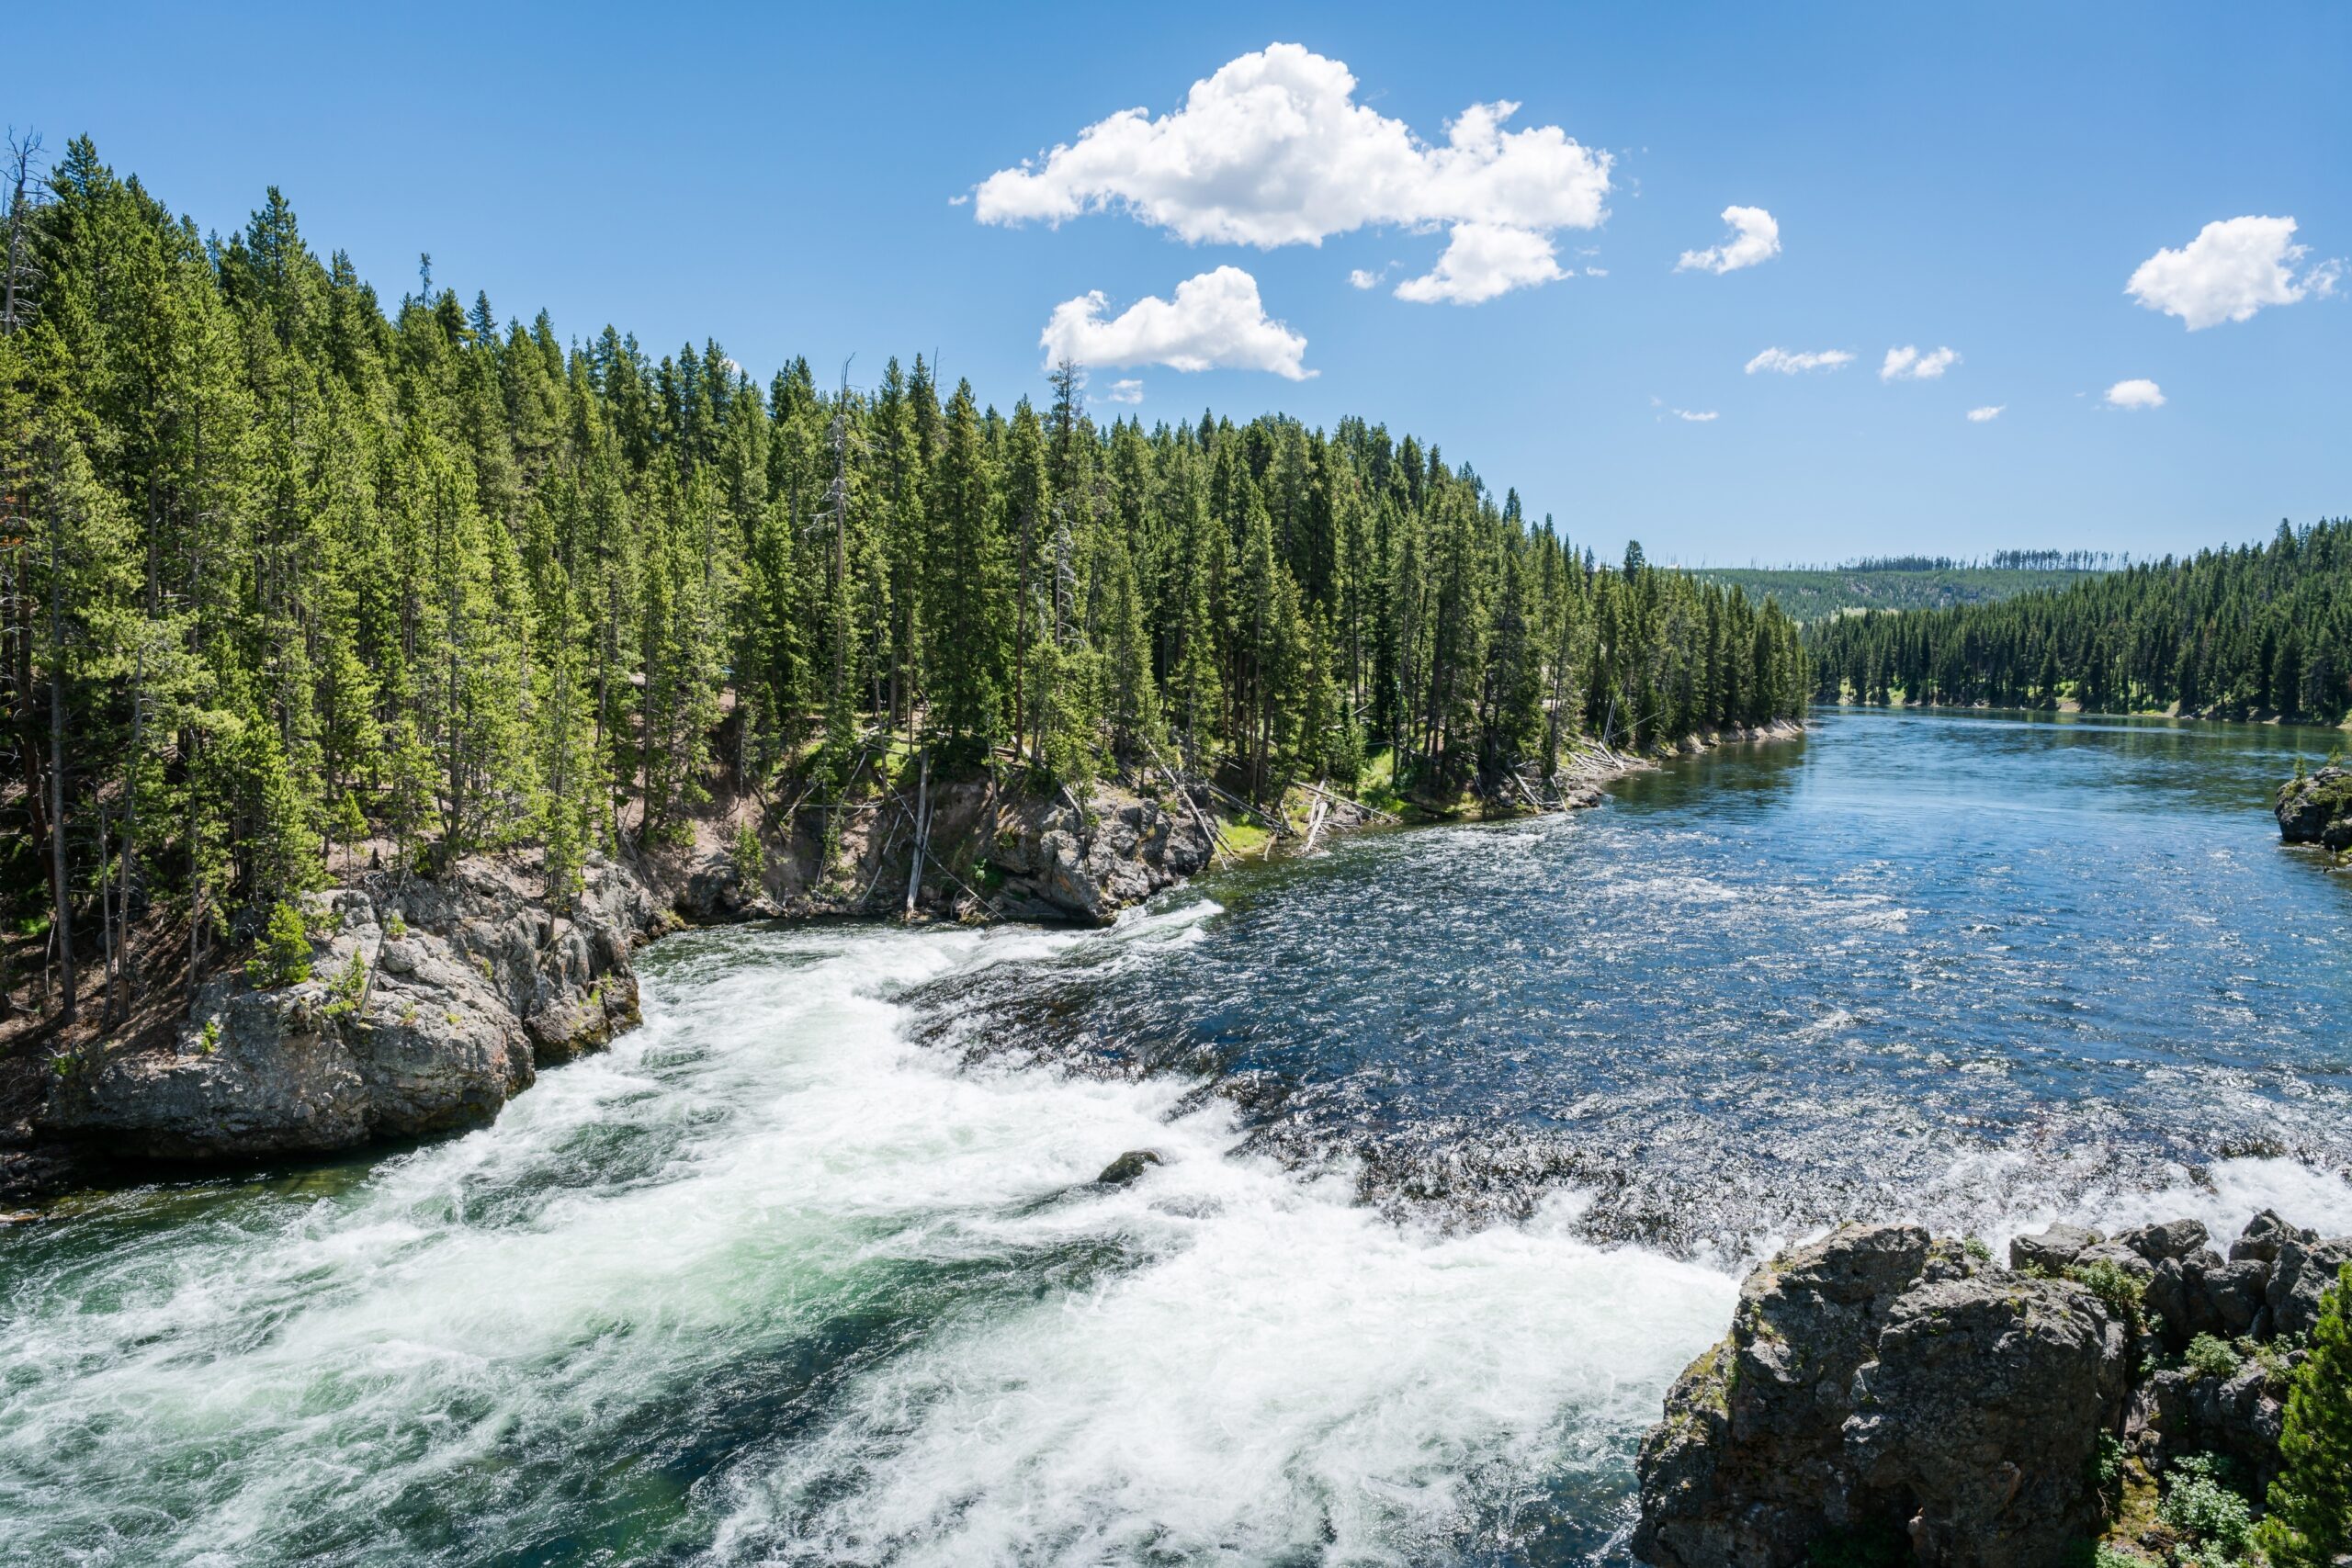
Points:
point(1467, 1133)
point(1955, 965)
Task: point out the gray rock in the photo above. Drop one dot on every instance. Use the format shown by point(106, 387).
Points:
point(2052, 1249)
point(427, 1031)
point(1128, 1166)
point(2116, 1253)
point(2304, 1272)
point(2174, 1238)
point(2229, 1297)
point(1983, 1410)
point(2310, 809)
point(1749, 1466)
point(2263, 1236)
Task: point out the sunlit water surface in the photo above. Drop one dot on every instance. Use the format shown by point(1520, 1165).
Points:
point(1468, 1132)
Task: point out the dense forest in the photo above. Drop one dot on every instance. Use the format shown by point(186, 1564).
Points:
point(2254, 632)
point(285, 572)
point(1897, 583)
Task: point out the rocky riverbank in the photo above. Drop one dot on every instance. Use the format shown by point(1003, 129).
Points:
point(428, 1003)
point(1885, 1395)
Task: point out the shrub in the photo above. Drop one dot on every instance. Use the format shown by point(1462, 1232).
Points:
point(2310, 1501)
point(2198, 1504)
point(348, 988)
point(750, 858)
point(284, 956)
point(2117, 1287)
point(2209, 1358)
point(395, 927)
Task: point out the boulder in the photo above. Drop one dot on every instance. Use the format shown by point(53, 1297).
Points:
point(1749, 1466)
point(1128, 1166)
point(2174, 1238)
point(1060, 864)
point(1983, 1411)
point(2304, 1270)
point(2263, 1236)
point(2052, 1249)
point(2317, 809)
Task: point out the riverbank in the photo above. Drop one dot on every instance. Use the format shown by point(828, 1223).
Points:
point(423, 1006)
point(1884, 1395)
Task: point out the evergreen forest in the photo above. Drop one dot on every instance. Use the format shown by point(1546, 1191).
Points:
point(2258, 631)
point(287, 573)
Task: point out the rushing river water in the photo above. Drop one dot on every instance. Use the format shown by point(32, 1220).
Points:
point(1468, 1133)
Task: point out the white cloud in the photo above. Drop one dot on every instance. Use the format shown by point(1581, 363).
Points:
point(1755, 238)
point(1988, 412)
point(1360, 278)
point(2138, 393)
point(1274, 150)
point(2231, 270)
point(1216, 321)
point(1789, 364)
point(1481, 261)
point(1596, 272)
point(1907, 364)
point(1127, 391)
point(1697, 418)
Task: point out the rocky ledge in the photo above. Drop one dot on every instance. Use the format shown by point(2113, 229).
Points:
point(1885, 1395)
point(428, 1007)
point(2317, 809)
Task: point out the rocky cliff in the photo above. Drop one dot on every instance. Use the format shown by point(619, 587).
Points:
point(1884, 1395)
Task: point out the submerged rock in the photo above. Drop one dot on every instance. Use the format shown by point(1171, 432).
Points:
point(1128, 1166)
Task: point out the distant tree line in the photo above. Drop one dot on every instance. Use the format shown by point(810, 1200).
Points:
point(2257, 631)
point(283, 572)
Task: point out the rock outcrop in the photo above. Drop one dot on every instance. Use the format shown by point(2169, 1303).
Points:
point(1903, 1395)
point(1881, 1384)
point(1059, 863)
point(2317, 809)
point(428, 1007)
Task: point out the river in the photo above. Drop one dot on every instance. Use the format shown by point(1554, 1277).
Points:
point(1467, 1133)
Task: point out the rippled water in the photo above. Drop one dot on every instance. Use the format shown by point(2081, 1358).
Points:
point(811, 1269)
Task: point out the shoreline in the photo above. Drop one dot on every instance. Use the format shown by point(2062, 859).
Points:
point(428, 1004)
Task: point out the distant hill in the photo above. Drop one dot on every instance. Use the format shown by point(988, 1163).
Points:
point(1909, 582)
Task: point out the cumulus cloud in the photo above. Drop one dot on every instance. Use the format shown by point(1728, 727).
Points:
point(1360, 278)
point(1988, 412)
point(2137, 393)
point(2231, 270)
point(1754, 238)
point(1274, 150)
point(1907, 364)
point(1127, 391)
point(1216, 321)
point(1697, 418)
point(1481, 261)
point(1788, 364)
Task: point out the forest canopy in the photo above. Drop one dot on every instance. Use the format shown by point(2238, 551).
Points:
point(2258, 631)
point(286, 568)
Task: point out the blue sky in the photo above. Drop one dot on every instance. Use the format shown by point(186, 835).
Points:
point(1984, 178)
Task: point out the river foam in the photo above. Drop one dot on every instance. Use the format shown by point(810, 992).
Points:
point(769, 1283)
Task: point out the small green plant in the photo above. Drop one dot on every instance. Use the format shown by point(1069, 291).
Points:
point(2209, 1358)
point(207, 1039)
point(2199, 1505)
point(1975, 1246)
point(2107, 1467)
point(284, 956)
point(749, 856)
point(395, 927)
point(62, 1064)
point(451, 1019)
point(2116, 1287)
point(481, 961)
point(408, 1012)
point(349, 987)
